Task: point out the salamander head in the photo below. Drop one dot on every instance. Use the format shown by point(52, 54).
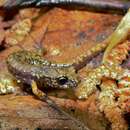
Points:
point(63, 78)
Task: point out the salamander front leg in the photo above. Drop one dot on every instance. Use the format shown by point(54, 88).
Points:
point(42, 96)
point(36, 91)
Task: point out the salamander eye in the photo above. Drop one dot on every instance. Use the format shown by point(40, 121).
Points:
point(62, 80)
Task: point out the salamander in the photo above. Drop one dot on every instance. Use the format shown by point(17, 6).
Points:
point(29, 66)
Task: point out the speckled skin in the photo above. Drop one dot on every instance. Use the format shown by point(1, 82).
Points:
point(28, 66)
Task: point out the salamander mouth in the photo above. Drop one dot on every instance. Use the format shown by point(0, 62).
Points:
point(70, 84)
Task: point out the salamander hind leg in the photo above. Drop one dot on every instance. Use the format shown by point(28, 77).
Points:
point(5, 89)
point(7, 84)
